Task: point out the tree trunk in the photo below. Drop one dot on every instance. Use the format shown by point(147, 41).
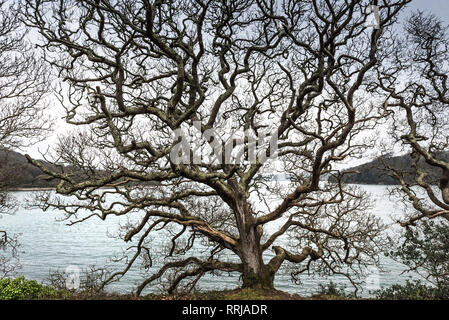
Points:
point(255, 273)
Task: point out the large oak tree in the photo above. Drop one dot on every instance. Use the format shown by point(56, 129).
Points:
point(132, 73)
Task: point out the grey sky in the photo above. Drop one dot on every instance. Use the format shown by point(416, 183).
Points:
point(439, 7)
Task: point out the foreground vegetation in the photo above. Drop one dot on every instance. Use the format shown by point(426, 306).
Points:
point(23, 289)
point(20, 288)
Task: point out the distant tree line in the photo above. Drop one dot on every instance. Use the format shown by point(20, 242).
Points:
point(24, 174)
point(378, 170)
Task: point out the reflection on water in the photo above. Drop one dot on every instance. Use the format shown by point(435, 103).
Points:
point(50, 244)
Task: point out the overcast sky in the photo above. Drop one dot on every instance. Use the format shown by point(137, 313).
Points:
point(439, 7)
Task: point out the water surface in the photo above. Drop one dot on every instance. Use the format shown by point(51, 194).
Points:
point(49, 244)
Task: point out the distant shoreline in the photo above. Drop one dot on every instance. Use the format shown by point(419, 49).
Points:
point(31, 189)
point(24, 189)
point(17, 189)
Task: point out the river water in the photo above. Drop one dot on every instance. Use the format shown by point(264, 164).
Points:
point(49, 244)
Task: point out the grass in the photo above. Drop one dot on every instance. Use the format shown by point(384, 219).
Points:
point(23, 289)
point(236, 294)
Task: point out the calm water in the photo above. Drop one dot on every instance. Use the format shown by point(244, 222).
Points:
point(50, 244)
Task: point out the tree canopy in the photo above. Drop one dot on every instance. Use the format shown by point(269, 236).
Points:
point(135, 77)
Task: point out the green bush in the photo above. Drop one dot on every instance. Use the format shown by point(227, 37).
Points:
point(415, 290)
point(22, 289)
point(425, 249)
point(331, 289)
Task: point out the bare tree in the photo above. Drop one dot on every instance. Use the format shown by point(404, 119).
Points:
point(134, 73)
point(416, 79)
point(22, 85)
